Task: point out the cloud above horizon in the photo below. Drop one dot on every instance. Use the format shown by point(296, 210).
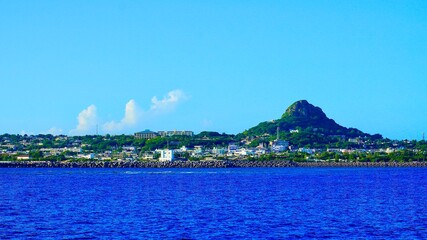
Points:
point(132, 114)
point(87, 120)
point(135, 115)
point(54, 131)
point(168, 102)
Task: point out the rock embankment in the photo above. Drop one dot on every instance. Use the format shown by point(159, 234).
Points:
point(114, 164)
point(360, 164)
point(200, 164)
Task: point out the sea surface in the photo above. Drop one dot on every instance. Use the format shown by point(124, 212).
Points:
point(248, 203)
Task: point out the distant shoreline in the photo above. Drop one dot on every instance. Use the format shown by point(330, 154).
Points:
point(200, 164)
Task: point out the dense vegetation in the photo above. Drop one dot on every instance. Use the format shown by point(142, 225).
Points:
point(403, 150)
point(97, 143)
point(303, 125)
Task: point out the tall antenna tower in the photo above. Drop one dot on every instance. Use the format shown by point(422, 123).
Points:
point(278, 129)
point(423, 137)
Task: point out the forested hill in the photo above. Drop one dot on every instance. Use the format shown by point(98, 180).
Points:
point(303, 117)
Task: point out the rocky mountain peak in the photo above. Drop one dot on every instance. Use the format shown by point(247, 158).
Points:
point(303, 109)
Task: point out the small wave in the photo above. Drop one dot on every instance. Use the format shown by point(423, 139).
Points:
point(197, 172)
point(132, 172)
point(160, 172)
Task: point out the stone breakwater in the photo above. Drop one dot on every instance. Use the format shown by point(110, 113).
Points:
point(201, 164)
point(360, 164)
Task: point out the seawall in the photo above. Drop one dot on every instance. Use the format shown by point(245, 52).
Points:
point(200, 164)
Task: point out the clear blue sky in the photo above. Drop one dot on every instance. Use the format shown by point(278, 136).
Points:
point(67, 66)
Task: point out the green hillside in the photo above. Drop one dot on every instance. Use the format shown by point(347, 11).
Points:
point(310, 125)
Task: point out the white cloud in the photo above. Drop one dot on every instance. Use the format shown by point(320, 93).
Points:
point(132, 115)
point(87, 120)
point(168, 102)
point(54, 131)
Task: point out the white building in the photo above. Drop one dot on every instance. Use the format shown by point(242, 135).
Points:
point(307, 150)
point(175, 133)
point(243, 152)
point(183, 149)
point(279, 146)
point(166, 155)
point(232, 147)
point(86, 156)
point(146, 134)
point(23, 157)
point(219, 151)
point(260, 152)
point(198, 150)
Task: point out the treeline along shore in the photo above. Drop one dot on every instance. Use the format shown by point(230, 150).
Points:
point(199, 164)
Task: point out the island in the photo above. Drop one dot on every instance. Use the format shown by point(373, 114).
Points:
point(302, 137)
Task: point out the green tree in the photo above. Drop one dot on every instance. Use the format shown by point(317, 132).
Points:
point(36, 155)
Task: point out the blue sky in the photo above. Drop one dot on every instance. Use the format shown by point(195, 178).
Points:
point(126, 66)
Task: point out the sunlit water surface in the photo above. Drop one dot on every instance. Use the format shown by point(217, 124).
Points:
point(258, 203)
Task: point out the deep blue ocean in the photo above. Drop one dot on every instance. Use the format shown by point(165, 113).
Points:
point(254, 203)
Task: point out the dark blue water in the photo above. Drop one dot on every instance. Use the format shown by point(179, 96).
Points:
point(214, 203)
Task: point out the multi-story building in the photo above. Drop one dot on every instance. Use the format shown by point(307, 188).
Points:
point(279, 146)
point(146, 134)
point(166, 155)
point(219, 151)
point(232, 147)
point(175, 133)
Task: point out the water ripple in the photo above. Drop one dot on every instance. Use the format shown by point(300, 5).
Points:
point(220, 203)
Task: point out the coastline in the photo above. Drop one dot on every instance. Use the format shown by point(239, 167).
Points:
point(201, 164)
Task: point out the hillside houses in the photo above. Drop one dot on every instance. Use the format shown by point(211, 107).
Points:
point(181, 147)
